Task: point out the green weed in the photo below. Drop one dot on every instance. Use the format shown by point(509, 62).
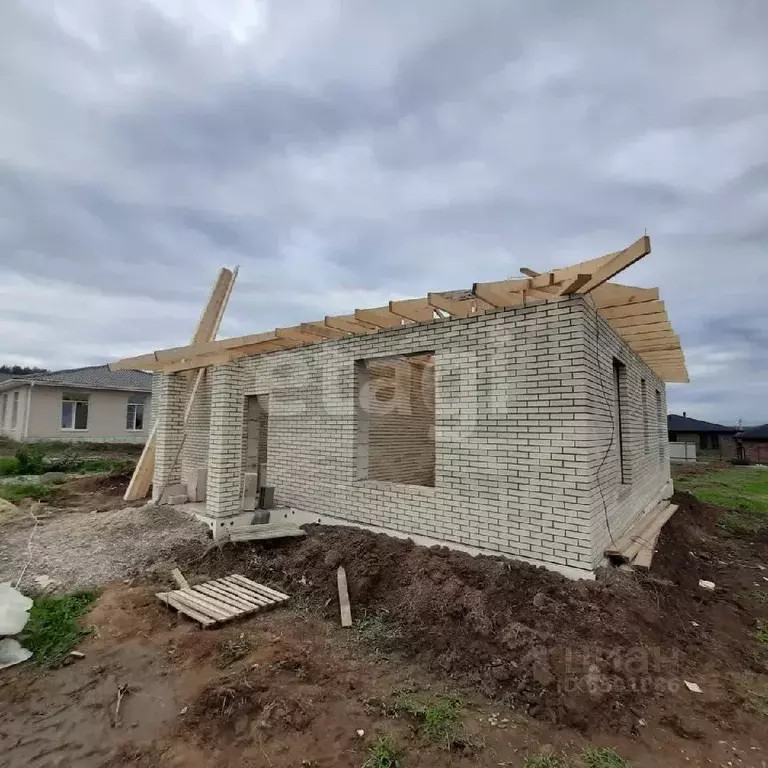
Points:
point(545, 761)
point(19, 491)
point(383, 753)
point(761, 633)
point(378, 631)
point(53, 628)
point(9, 465)
point(438, 718)
point(603, 757)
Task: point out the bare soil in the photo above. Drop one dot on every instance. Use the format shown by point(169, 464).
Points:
point(543, 664)
point(87, 536)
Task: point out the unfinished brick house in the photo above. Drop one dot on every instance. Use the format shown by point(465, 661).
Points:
point(524, 418)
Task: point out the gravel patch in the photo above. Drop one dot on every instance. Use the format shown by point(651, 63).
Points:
point(84, 550)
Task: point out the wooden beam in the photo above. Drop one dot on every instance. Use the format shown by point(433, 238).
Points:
point(503, 293)
point(417, 310)
point(639, 321)
point(349, 323)
point(633, 310)
point(616, 295)
point(299, 335)
point(454, 307)
point(321, 329)
point(209, 323)
point(635, 332)
point(379, 316)
point(574, 285)
point(229, 355)
point(618, 263)
point(529, 272)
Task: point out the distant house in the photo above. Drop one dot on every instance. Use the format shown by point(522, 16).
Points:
point(749, 444)
point(80, 404)
point(706, 435)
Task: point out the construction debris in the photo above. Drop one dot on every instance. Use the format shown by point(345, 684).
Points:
point(346, 610)
point(692, 687)
point(215, 602)
point(708, 585)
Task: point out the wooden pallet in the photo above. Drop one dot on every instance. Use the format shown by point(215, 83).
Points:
point(220, 600)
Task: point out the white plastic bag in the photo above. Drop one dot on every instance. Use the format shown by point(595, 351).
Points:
point(14, 610)
point(12, 653)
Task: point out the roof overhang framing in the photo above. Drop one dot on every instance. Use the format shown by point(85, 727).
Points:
point(635, 314)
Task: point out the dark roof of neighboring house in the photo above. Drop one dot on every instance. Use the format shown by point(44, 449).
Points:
point(91, 377)
point(755, 433)
point(677, 423)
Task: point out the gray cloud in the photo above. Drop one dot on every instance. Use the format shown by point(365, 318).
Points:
point(347, 154)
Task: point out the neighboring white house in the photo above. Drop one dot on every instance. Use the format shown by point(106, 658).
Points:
point(79, 404)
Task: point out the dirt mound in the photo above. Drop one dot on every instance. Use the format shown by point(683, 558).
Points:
point(583, 654)
point(113, 483)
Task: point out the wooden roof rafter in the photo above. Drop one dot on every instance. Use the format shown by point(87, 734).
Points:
point(636, 314)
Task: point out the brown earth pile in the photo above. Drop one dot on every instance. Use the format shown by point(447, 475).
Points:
point(583, 654)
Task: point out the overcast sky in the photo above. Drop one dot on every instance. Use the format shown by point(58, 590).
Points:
point(346, 153)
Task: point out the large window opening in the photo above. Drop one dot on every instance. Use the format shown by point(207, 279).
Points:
point(74, 412)
point(395, 427)
point(646, 416)
point(620, 387)
point(661, 422)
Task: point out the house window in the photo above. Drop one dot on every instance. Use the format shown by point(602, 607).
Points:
point(134, 414)
point(620, 387)
point(661, 421)
point(715, 442)
point(395, 419)
point(4, 411)
point(15, 410)
point(74, 412)
point(703, 442)
point(646, 415)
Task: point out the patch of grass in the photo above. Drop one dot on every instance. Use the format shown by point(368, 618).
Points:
point(603, 757)
point(18, 491)
point(9, 465)
point(97, 466)
point(53, 629)
point(438, 718)
point(545, 761)
point(741, 488)
point(758, 595)
point(744, 523)
point(761, 633)
point(378, 631)
point(383, 753)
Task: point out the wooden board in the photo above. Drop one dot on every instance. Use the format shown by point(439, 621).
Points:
point(344, 607)
point(265, 531)
point(647, 549)
point(215, 602)
point(206, 330)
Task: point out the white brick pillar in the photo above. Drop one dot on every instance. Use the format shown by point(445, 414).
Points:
point(168, 391)
point(225, 446)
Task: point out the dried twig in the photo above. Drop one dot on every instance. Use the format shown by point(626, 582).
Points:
point(122, 691)
point(29, 547)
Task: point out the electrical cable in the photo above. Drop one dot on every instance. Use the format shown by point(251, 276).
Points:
point(613, 421)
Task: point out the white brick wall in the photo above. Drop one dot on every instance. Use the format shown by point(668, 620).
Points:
point(616, 505)
point(520, 430)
